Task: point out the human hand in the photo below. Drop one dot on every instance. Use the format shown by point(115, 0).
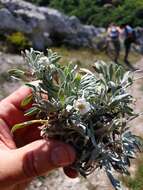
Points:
point(25, 155)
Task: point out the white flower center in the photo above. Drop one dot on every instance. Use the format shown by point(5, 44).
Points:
point(82, 105)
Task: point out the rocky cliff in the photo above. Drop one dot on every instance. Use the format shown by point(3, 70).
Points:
point(45, 26)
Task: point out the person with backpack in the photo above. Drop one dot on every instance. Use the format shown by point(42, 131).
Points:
point(129, 38)
point(113, 33)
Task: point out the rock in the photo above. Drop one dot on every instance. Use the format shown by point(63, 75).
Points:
point(10, 22)
point(45, 26)
point(7, 62)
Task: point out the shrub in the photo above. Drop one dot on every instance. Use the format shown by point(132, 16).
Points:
point(97, 13)
point(17, 41)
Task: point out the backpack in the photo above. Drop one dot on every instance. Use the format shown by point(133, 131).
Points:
point(130, 33)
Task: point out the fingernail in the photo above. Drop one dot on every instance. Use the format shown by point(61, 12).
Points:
point(62, 156)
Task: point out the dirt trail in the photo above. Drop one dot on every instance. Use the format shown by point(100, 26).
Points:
point(137, 92)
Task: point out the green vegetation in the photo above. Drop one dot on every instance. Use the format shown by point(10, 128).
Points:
point(100, 12)
point(17, 41)
point(136, 182)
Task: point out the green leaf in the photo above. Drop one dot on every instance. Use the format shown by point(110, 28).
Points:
point(130, 80)
point(125, 77)
point(17, 73)
point(26, 124)
point(19, 126)
point(119, 98)
point(32, 111)
point(70, 100)
point(31, 86)
point(86, 71)
point(111, 71)
point(112, 85)
point(98, 67)
point(129, 110)
point(119, 74)
point(27, 100)
point(116, 184)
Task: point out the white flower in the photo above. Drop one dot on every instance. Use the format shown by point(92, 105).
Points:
point(82, 105)
point(69, 108)
point(43, 60)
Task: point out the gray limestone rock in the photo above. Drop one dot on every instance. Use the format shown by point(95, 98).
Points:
point(45, 26)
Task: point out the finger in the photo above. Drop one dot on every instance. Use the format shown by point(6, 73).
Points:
point(37, 158)
point(11, 114)
point(5, 136)
point(16, 97)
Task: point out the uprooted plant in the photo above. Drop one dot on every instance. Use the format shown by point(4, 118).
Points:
point(89, 110)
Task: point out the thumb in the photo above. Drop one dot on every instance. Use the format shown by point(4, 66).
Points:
point(39, 157)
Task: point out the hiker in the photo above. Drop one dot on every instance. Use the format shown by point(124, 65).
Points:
point(113, 33)
point(129, 37)
point(24, 155)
